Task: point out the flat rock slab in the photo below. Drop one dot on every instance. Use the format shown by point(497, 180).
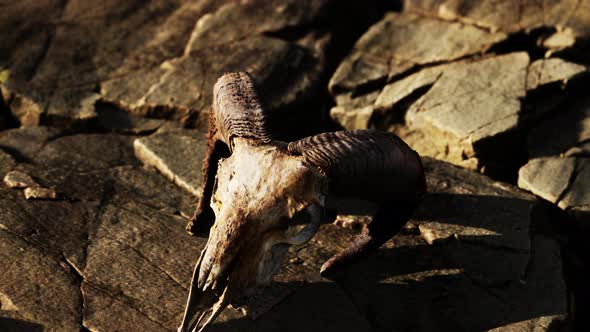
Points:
point(158, 58)
point(25, 142)
point(560, 180)
point(400, 42)
point(459, 112)
point(121, 219)
point(510, 16)
point(558, 167)
point(448, 95)
point(545, 71)
point(471, 102)
point(176, 154)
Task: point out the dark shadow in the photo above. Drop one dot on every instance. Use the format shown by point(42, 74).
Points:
point(7, 120)
point(309, 115)
point(17, 325)
point(559, 129)
point(475, 283)
point(576, 255)
point(526, 41)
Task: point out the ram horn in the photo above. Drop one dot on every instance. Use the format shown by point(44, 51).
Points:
point(237, 112)
point(368, 166)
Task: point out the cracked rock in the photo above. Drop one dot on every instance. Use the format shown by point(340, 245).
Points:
point(152, 58)
point(510, 16)
point(100, 308)
point(551, 70)
point(558, 169)
point(560, 180)
point(176, 154)
point(486, 270)
point(462, 111)
point(120, 211)
point(400, 42)
point(468, 103)
point(70, 54)
point(25, 142)
point(188, 95)
point(38, 288)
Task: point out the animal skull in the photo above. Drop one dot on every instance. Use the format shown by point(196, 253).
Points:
point(259, 190)
point(265, 196)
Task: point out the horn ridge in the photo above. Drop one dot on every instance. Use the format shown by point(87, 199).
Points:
point(238, 109)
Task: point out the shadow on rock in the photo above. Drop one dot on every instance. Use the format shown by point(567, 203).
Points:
point(17, 325)
point(490, 272)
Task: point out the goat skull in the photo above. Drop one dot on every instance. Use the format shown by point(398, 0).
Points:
point(261, 196)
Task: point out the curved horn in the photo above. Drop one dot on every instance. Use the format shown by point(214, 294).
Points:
point(370, 166)
point(237, 112)
point(309, 230)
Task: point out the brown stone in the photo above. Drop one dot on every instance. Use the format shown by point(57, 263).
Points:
point(560, 180)
point(153, 58)
point(40, 193)
point(547, 177)
point(125, 227)
point(176, 154)
point(17, 179)
point(455, 112)
point(470, 102)
point(36, 286)
point(551, 70)
point(25, 142)
point(400, 42)
point(510, 16)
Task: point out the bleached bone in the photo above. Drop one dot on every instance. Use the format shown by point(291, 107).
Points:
point(258, 190)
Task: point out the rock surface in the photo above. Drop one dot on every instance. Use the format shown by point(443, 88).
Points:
point(510, 16)
point(162, 151)
point(558, 169)
point(153, 58)
point(545, 71)
point(494, 86)
point(560, 180)
point(398, 43)
point(126, 212)
point(452, 103)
